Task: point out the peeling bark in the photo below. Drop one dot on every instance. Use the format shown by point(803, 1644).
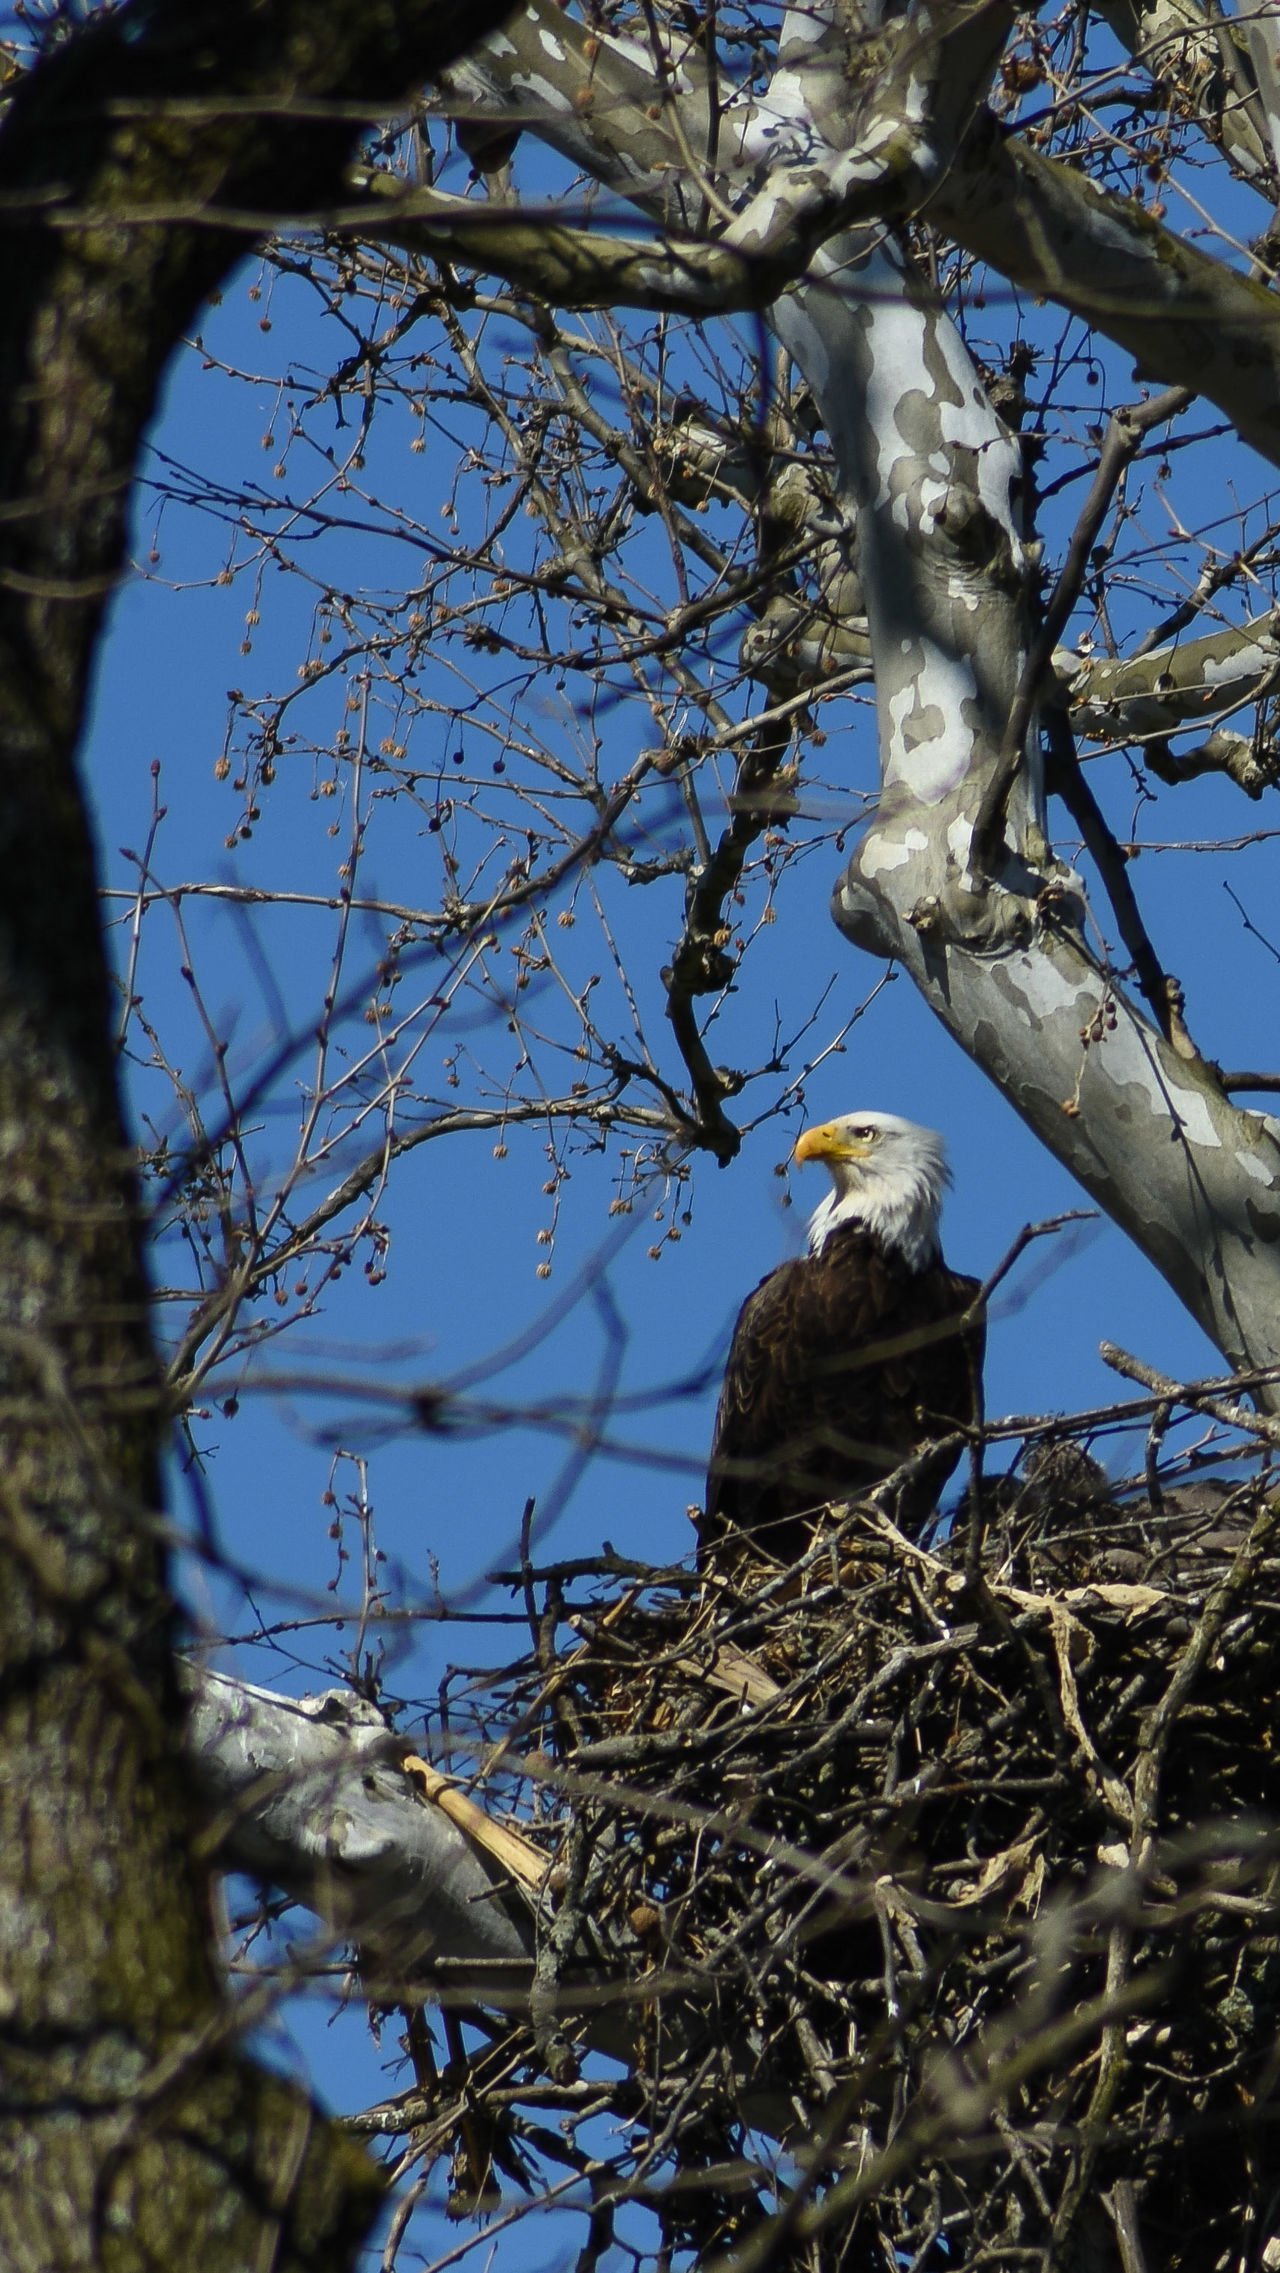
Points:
point(993, 934)
point(1150, 696)
point(912, 140)
point(1196, 57)
point(1002, 957)
point(1171, 687)
point(311, 1794)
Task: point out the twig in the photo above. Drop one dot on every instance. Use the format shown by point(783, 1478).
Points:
point(1121, 2206)
point(1066, 780)
point(1124, 433)
point(1200, 1399)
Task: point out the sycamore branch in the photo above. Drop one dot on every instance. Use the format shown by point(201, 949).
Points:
point(1187, 319)
point(1174, 686)
point(574, 267)
point(313, 1793)
point(1149, 697)
point(1196, 58)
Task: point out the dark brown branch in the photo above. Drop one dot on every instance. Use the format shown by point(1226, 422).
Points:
point(1064, 778)
point(702, 963)
point(1123, 436)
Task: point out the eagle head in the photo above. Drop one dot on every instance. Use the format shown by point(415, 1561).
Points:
point(889, 1175)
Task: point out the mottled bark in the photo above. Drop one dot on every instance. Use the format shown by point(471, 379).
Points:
point(573, 268)
point(311, 1794)
point(1163, 690)
point(956, 877)
point(1171, 687)
point(913, 137)
point(1197, 58)
point(1186, 318)
point(131, 2133)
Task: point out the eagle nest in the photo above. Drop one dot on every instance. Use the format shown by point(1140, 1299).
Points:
point(928, 1891)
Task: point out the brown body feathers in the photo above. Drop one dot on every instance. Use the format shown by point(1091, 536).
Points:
point(842, 1364)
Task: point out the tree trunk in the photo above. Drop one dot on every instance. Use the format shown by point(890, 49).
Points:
point(131, 2131)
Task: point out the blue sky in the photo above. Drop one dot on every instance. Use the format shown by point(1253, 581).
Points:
point(460, 1278)
point(460, 1281)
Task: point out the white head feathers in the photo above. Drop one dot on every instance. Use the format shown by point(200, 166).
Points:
point(889, 1175)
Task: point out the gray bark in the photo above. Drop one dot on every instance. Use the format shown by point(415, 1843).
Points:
point(310, 1794)
point(994, 931)
point(132, 2131)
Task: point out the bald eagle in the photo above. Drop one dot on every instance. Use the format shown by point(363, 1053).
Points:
point(854, 1355)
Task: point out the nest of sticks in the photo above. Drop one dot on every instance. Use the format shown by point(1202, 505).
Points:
point(933, 1888)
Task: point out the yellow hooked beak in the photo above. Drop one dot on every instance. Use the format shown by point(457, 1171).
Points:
point(827, 1141)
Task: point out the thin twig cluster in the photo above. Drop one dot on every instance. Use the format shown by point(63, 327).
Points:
point(930, 1908)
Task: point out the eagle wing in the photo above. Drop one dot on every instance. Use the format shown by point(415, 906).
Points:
point(763, 1378)
point(841, 1365)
